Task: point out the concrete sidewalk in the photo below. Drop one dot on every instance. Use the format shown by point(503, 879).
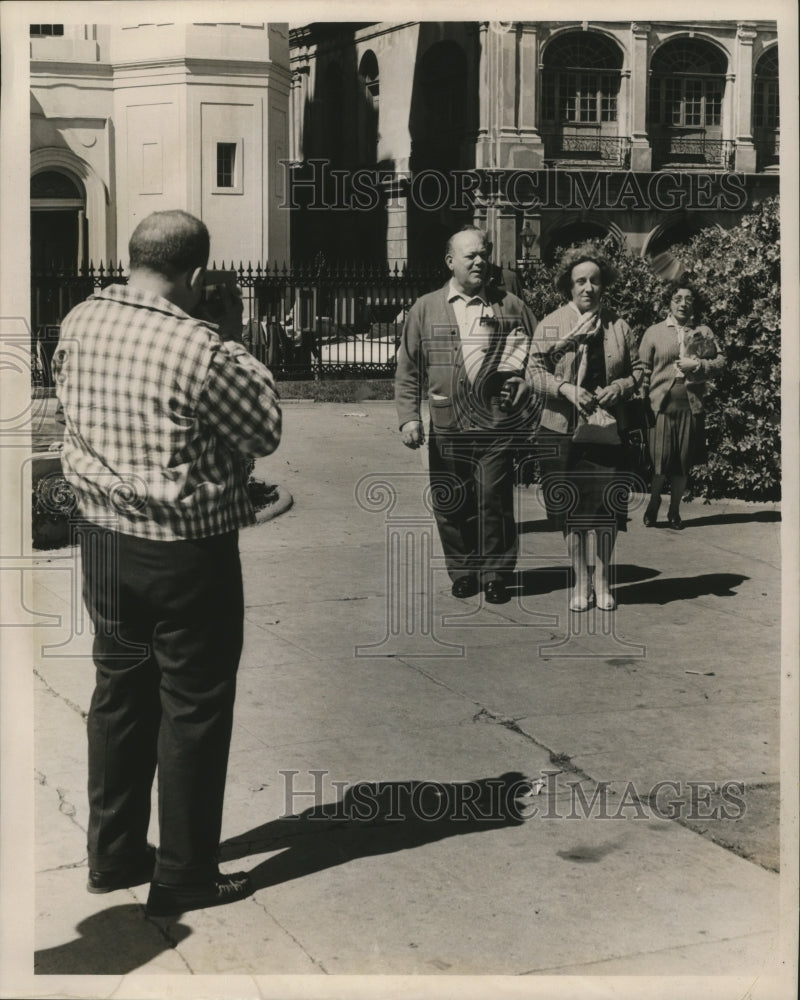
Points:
point(360, 666)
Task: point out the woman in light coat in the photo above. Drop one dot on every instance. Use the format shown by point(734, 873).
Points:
point(679, 355)
point(584, 360)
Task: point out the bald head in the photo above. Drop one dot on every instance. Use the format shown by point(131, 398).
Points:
point(467, 257)
point(468, 234)
point(169, 244)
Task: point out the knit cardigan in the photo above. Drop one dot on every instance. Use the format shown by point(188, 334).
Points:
point(659, 352)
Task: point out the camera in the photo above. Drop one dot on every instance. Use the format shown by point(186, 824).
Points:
point(506, 397)
point(213, 302)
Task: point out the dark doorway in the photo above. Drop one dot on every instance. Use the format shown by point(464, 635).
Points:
point(58, 221)
point(54, 238)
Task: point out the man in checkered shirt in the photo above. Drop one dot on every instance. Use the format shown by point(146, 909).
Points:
point(162, 415)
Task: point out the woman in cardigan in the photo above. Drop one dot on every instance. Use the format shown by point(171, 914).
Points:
point(678, 355)
point(583, 364)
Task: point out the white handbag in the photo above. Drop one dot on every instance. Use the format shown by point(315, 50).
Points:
point(600, 426)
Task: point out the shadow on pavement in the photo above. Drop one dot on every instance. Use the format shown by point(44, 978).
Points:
point(378, 818)
point(111, 943)
point(764, 516)
point(546, 579)
point(682, 588)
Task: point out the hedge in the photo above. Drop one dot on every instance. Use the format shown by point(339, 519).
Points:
point(737, 272)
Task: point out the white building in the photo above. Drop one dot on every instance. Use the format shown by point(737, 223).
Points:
point(130, 119)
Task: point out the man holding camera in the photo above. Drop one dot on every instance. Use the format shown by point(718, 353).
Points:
point(471, 341)
point(162, 414)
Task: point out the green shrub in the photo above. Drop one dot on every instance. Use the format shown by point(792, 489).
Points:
point(737, 271)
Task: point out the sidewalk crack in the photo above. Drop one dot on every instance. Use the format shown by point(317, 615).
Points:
point(315, 962)
point(55, 694)
point(65, 807)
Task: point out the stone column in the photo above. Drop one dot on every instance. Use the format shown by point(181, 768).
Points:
point(641, 152)
point(297, 98)
point(742, 132)
point(483, 157)
point(532, 156)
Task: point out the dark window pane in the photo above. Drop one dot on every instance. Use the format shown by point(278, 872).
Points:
point(226, 164)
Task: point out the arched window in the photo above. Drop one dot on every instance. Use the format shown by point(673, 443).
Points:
point(766, 110)
point(49, 184)
point(580, 80)
point(369, 98)
point(368, 76)
point(580, 89)
point(686, 84)
point(765, 98)
point(687, 87)
point(58, 220)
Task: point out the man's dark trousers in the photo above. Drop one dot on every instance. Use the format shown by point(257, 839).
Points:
point(472, 493)
point(168, 618)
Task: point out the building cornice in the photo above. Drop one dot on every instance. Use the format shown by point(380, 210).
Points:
point(197, 66)
point(41, 68)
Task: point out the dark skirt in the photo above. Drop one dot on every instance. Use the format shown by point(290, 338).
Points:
point(584, 486)
point(677, 441)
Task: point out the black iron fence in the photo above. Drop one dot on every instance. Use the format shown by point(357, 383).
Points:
point(310, 321)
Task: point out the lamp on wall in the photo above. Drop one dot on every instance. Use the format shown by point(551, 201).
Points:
point(527, 238)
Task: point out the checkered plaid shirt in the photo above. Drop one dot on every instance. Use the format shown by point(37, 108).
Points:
point(161, 417)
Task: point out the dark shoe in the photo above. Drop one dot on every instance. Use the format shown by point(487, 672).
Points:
point(674, 521)
point(465, 586)
point(167, 900)
point(495, 591)
point(134, 873)
point(651, 515)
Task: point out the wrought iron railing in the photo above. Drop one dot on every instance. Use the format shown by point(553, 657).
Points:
point(304, 321)
point(588, 146)
point(692, 150)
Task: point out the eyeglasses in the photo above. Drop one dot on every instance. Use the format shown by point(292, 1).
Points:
point(683, 298)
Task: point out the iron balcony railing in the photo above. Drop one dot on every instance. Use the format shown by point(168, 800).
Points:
point(586, 146)
point(304, 321)
point(685, 149)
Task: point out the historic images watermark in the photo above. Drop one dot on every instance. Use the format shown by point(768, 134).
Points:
point(317, 186)
point(513, 796)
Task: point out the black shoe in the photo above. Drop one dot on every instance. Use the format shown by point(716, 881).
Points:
point(168, 900)
point(650, 520)
point(465, 586)
point(495, 591)
point(133, 873)
point(674, 521)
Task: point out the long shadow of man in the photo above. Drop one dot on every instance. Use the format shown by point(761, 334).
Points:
point(379, 818)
